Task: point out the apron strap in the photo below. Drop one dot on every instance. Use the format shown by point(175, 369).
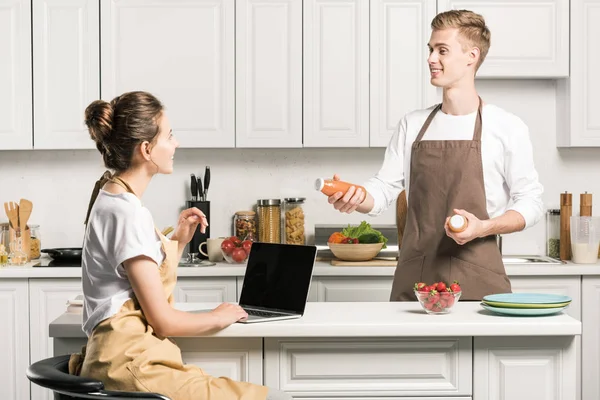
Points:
point(106, 177)
point(476, 131)
point(122, 183)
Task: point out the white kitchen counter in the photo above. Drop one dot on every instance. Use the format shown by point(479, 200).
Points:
point(322, 268)
point(390, 319)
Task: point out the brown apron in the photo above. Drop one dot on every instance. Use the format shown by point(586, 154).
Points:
point(126, 354)
point(444, 175)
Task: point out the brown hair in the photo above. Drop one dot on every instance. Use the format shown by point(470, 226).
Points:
point(471, 26)
point(119, 126)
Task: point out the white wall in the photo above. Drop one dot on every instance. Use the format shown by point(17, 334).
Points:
point(59, 182)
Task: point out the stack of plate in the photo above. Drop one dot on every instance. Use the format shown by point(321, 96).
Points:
point(526, 304)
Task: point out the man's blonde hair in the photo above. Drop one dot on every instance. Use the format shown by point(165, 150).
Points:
point(471, 26)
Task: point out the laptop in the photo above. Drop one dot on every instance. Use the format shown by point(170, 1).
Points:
point(277, 281)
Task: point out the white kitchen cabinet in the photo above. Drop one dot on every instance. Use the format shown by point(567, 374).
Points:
point(400, 83)
point(563, 285)
point(182, 52)
point(237, 359)
point(353, 289)
point(336, 73)
point(268, 73)
point(66, 71)
point(15, 75)
point(205, 290)
point(590, 339)
point(530, 39)
point(47, 301)
point(524, 368)
point(14, 338)
point(578, 98)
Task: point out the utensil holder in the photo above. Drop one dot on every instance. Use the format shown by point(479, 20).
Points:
point(200, 237)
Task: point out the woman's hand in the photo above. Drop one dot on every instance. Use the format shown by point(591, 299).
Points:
point(474, 228)
point(187, 224)
point(227, 314)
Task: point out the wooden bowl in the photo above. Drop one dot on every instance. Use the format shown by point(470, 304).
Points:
point(355, 252)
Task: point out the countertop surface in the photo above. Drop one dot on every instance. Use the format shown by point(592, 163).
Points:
point(389, 319)
point(322, 268)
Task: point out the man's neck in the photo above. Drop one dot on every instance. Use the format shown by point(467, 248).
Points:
point(460, 101)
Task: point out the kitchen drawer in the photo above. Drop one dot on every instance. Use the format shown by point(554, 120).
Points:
point(353, 289)
point(353, 367)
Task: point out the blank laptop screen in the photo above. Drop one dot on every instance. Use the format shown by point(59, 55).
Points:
point(278, 276)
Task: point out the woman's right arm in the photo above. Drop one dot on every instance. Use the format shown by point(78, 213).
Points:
point(144, 277)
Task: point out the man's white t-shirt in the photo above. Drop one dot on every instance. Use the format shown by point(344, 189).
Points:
point(119, 228)
point(509, 175)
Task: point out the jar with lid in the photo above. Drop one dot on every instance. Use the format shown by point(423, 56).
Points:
point(553, 233)
point(35, 243)
point(245, 225)
point(294, 220)
point(269, 220)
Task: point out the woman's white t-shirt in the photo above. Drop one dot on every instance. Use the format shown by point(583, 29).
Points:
point(119, 228)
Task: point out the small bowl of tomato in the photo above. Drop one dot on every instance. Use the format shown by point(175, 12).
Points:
point(437, 298)
point(235, 250)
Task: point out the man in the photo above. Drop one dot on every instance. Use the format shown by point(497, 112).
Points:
point(459, 157)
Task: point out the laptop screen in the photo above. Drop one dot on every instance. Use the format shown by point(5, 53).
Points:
point(278, 276)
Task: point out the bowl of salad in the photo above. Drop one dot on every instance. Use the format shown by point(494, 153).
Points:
point(357, 243)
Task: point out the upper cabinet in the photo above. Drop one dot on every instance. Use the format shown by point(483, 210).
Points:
point(578, 98)
point(15, 75)
point(182, 52)
point(336, 73)
point(268, 73)
point(530, 39)
point(66, 71)
point(400, 31)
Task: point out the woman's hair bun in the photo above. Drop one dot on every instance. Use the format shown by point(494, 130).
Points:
point(99, 120)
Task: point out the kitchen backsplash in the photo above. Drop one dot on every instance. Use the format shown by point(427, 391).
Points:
point(60, 182)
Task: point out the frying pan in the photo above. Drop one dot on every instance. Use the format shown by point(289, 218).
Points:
point(64, 254)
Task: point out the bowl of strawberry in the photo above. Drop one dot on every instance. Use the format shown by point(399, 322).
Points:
point(439, 297)
point(235, 251)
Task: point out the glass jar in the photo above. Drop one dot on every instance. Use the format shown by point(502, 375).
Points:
point(269, 220)
point(3, 256)
point(245, 225)
point(35, 243)
point(5, 236)
point(553, 233)
point(294, 220)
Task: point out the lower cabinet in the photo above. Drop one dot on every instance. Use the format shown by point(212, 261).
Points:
point(590, 338)
point(206, 290)
point(352, 288)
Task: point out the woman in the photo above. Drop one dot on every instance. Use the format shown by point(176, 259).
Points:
point(129, 268)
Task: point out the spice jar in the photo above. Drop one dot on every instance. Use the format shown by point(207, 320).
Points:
point(245, 225)
point(294, 220)
point(35, 243)
point(3, 256)
point(553, 233)
point(269, 220)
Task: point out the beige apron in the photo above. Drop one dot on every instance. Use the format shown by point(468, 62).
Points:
point(126, 354)
point(444, 175)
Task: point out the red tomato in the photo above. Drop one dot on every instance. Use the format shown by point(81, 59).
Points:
point(441, 286)
point(238, 255)
point(236, 241)
point(227, 246)
point(455, 287)
point(246, 245)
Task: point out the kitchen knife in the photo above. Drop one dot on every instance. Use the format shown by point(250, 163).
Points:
point(206, 181)
point(193, 186)
point(199, 189)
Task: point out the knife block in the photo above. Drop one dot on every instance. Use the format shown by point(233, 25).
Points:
point(200, 237)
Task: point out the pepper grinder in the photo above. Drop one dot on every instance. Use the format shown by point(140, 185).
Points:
point(585, 204)
point(566, 209)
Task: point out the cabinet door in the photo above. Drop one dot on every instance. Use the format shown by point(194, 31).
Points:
point(183, 53)
point(336, 73)
point(14, 339)
point(15, 75)
point(66, 71)
point(48, 301)
point(205, 290)
point(237, 359)
point(530, 39)
point(400, 31)
point(269, 73)
point(590, 338)
point(354, 289)
point(578, 98)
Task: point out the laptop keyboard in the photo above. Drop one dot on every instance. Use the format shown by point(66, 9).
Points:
point(258, 313)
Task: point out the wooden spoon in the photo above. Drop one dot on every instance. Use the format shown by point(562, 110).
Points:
point(12, 212)
point(25, 207)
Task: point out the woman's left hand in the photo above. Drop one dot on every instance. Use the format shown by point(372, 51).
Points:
point(187, 224)
point(473, 231)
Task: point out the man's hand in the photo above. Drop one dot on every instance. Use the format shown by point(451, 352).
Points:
point(348, 202)
point(475, 228)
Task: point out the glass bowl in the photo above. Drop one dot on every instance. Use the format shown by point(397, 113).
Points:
point(437, 302)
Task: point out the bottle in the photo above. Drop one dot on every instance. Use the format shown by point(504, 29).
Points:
point(3, 256)
point(330, 186)
point(457, 223)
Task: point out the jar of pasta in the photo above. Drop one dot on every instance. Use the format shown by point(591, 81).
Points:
point(245, 225)
point(269, 220)
point(35, 243)
point(294, 220)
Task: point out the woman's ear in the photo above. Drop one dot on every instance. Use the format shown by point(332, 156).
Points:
point(145, 149)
